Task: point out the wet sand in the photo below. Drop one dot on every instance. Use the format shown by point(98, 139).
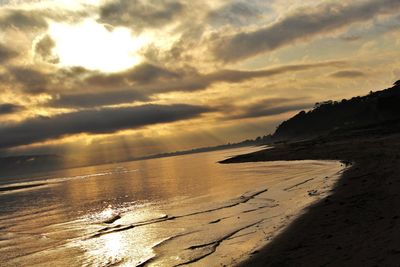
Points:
point(358, 224)
point(185, 210)
point(19, 187)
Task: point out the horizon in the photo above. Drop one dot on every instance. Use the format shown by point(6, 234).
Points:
point(199, 133)
point(113, 80)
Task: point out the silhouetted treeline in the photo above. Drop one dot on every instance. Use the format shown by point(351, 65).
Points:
point(376, 107)
point(261, 140)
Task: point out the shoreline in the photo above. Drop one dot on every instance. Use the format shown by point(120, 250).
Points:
point(201, 225)
point(358, 223)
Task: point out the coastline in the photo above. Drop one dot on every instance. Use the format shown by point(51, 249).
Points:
point(358, 223)
point(212, 222)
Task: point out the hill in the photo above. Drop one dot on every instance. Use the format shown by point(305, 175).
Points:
point(375, 108)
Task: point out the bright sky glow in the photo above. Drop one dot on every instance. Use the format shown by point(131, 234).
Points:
point(223, 71)
point(92, 46)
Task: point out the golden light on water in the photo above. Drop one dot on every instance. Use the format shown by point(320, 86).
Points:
point(122, 248)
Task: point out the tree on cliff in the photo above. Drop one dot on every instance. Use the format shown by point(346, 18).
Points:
point(374, 108)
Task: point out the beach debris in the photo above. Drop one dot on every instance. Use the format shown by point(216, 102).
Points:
point(346, 163)
point(313, 193)
point(112, 219)
point(216, 221)
point(296, 185)
point(254, 252)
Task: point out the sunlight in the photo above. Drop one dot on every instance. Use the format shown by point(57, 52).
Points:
point(92, 46)
point(113, 245)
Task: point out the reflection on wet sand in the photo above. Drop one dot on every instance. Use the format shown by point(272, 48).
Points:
point(185, 210)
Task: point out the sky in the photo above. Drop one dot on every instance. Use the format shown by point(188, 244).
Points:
point(117, 79)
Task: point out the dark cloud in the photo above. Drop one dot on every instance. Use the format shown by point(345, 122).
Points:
point(303, 24)
point(238, 76)
point(82, 85)
point(78, 87)
point(9, 108)
point(193, 81)
point(94, 121)
point(348, 74)
point(164, 81)
point(145, 73)
point(234, 13)
point(113, 80)
point(43, 50)
point(32, 81)
point(35, 19)
point(22, 19)
point(88, 100)
point(73, 72)
point(6, 53)
point(140, 14)
point(190, 30)
point(81, 88)
point(270, 107)
point(254, 113)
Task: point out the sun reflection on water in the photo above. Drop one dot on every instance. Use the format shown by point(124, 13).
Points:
point(113, 246)
point(124, 248)
point(105, 250)
point(177, 211)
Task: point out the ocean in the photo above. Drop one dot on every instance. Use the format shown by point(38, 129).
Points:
point(182, 210)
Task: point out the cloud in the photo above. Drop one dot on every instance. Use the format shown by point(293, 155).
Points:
point(146, 72)
point(254, 113)
point(140, 14)
point(43, 50)
point(192, 80)
point(301, 25)
point(22, 19)
point(34, 18)
point(270, 107)
point(145, 81)
point(348, 74)
point(6, 53)
point(234, 13)
point(94, 121)
point(31, 80)
point(9, 108)
point(88, 100)
point(238, 76)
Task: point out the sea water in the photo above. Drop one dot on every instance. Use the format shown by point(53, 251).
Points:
point(182, 210)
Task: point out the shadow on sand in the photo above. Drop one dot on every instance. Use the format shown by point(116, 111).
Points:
point(358, 224)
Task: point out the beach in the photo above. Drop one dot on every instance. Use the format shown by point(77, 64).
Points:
point(183, 210)
point(358, 223)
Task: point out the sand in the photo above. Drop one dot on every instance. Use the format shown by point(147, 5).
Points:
point(199, 213)
point(358, 224)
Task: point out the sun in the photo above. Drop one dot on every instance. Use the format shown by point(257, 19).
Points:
point(91, 45)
